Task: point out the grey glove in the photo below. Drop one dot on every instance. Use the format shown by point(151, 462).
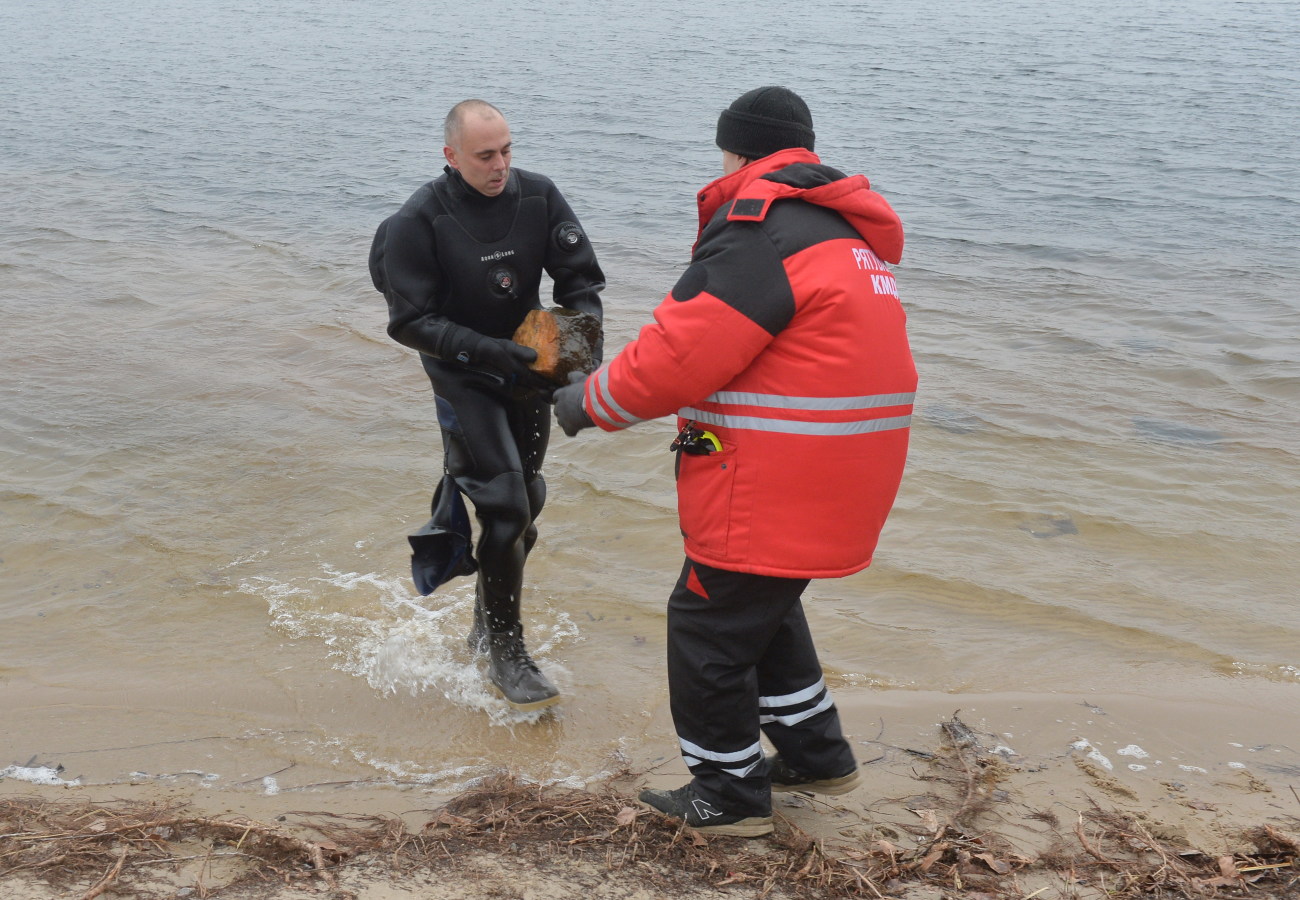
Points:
point(569, 411)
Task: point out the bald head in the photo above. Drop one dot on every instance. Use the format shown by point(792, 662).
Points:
point(478, 145)
point(453, 127)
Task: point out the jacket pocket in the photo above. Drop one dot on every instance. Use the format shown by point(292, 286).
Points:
point(704, 488)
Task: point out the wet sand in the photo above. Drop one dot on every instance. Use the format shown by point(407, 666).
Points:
point(1199, 772)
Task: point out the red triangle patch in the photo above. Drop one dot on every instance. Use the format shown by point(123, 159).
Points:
point(693, 584)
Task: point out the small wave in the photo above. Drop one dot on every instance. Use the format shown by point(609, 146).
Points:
point(1048, 525)
point(1282, 672)
point(1177, 432)
point(950, 419)
point(123, 299)
point(400, 644)
point(454, 779)
point(40, 234)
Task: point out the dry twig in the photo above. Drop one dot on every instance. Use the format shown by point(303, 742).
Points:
point(100, 844)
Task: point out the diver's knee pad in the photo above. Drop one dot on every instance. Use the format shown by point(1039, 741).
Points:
point(536, 500)
point(536, 495)
point(457, 457)
point(504, 500)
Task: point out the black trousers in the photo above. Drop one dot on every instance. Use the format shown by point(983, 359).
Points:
point(494, 439)
point(741, 660)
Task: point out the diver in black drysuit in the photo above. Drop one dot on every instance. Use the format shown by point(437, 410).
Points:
point(460, 270)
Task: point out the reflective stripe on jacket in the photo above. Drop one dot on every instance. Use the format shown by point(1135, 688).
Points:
point(785, 338)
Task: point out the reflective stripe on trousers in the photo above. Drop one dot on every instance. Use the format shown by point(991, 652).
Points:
point(741, 662)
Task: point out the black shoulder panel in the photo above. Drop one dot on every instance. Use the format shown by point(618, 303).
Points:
point(794, 226)
point(692, 283)
point(805, 175)
point(744, 270)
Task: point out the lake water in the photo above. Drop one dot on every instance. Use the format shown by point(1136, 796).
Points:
point(211, 453)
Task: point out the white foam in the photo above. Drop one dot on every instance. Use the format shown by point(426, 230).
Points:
point(399, 642)
point(176, 776)
point(241, 560)
point(1133, 750)
point(1282, 672)
point(37, 775)
point(1093, 754)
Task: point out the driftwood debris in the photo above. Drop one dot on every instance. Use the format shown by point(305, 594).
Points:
point(957, 845)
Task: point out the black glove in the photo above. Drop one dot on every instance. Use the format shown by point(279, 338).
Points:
point(569, 411)
point(504, 356)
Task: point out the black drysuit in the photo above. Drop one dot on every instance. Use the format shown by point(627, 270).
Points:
point(458, 267)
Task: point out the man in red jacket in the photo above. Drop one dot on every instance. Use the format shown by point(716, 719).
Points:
point(783, 351)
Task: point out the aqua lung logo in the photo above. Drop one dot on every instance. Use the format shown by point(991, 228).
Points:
point(500, 254)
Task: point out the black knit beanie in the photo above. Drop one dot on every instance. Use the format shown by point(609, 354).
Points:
point(763, 121)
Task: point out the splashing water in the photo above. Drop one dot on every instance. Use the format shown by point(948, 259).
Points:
point(397, 644)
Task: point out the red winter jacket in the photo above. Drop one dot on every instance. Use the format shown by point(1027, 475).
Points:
point(785, 339)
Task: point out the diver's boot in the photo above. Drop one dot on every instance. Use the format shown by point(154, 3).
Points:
point(515, 674)
point(478, 633)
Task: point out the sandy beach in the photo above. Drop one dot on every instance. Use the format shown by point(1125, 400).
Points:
point(1028, 791)
point(1071, 671)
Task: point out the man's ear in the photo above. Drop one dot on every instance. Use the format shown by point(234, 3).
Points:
point(450, 154)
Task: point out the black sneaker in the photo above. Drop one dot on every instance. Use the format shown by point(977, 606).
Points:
point(785, 778)
point(702, 815)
